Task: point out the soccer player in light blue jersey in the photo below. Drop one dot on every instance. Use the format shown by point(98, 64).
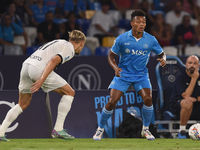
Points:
point(133, 48)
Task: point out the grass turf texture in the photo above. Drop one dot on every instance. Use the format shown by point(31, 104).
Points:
point(104, 144)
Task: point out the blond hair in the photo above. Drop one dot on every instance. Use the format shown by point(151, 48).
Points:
point(76, 36)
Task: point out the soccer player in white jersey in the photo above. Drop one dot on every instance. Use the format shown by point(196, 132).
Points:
point(133, 48)
point(37, 71)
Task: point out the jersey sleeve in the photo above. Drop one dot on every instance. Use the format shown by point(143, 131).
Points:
point(116, 46)
point(67, 53)
point(156, 48)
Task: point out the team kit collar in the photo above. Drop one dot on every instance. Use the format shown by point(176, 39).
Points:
point(130, 34)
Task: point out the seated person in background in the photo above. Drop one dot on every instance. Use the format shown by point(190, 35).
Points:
point(185, 98)
point(124, 5)
point(77, 6)
point(23, 11)
point(69, 26)
point(39, 11)
point(161, 30)
point(144, 5)
point(54, 6)
point(47, 30)
point(15, 18)
point(185, 34)
point(7, 31)
point(102, 23)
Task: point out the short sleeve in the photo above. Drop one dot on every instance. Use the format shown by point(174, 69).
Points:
point(67, 53)
point(1, 33)
point(116, 46)
point(17, 28)
point(156, 48)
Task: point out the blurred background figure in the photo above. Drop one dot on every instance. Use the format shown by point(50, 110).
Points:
point(144, 5)
point(54, 6)
point(102, 23)
point(47, 30)
point(161, 30)
point(23, 11)
point(39, 11)
point(7, 31)
point(185, 34)
point(77, 6)
point(174, 17)
point(124, 5)
point(69, 26)
point(15, 18)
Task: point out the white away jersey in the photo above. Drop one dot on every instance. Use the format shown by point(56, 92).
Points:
point(46, 52)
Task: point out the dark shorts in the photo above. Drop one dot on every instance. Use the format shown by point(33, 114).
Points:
point(195, 111)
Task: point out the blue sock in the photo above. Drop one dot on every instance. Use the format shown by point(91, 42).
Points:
point(147, 112)
point(105, 115)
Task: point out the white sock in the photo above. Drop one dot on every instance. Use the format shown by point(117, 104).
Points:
point(145, 127)
point(63, 109)
point(182, 128)
point(12, 114)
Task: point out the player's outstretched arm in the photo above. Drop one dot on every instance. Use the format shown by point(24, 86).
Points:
point(162, 59)
point(49, 68)
point(113, 64)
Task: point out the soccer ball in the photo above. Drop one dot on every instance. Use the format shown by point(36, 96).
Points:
point(194, 131)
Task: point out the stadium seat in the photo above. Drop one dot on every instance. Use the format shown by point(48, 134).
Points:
point(166, 77)
point(86, 51)
point(12, 50)
point(32, 49)
point(108, 41)
point(116, 16)
point(92, 43)
point(84, 23)
point(32, 34)
point(128, 14)
point(19, 40)
point(89, 14)
point(102, 51)
point(125, 24)
point(192, 50)
point(170, 50)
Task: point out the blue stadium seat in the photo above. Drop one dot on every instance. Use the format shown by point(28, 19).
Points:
point(125, 24)
point(86, 51)
point(84, 23)
point(166, 77)
point(102, 51)
point(32, 49)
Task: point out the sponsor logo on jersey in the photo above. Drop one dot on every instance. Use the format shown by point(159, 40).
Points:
point(171, 62)
point(36, 57)
point(127, 51)
point(126, 43)
point(84, 76)
point(67, 58)
point(138, 52)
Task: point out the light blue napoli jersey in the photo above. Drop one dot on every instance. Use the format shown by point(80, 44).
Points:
point(134, 55)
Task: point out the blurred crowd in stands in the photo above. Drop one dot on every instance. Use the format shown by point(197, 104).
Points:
point(27, 24)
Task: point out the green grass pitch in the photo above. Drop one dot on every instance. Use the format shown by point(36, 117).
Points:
point(104, 144)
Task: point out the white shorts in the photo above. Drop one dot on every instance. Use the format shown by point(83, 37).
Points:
point(30, 74)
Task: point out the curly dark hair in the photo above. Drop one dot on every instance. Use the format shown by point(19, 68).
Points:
point(137, 12)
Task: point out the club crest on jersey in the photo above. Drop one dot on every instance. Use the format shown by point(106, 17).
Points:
point(145, 46)
point(127, 51)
